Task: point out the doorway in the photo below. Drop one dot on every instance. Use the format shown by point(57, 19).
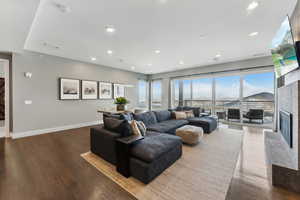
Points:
point(4, 98)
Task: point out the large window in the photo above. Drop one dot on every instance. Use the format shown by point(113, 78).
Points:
point(156, 92)
point(250, 93)
point(143, 93)
point(201, 94)
point(187, 89)
point(175, 93)
point(227, 93)
point(258, 94)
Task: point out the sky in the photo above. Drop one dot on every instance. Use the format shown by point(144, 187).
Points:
point(229, 87)
point(226, 87)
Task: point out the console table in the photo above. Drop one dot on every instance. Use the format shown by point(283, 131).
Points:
point(123, 153)
point(113, 111)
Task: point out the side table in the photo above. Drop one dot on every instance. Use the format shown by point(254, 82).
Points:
point(123, 153)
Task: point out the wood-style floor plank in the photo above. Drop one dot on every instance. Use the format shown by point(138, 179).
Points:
point(49, 166)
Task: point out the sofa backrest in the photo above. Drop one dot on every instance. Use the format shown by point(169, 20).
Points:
point(162, 115)
point(148, 118)
point(196, 110)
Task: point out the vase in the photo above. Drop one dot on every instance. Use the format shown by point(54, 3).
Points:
point(120, 107)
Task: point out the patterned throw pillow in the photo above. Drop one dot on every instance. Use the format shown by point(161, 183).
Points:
point(180, 115)
point(189, 114)
point(142, 127)
point(135, 129)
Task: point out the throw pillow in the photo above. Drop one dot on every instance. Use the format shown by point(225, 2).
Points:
point(126, 130)
point(141, 127)
point(134, 127)
point(118, 126)
point(128, 116)
point(189, 114)
point(110, 115)
point(180, 115)
point(112, 124)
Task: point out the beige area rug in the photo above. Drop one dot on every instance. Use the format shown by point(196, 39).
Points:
point(204, 172)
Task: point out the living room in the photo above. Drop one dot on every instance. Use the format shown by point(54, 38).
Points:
point(160, 99)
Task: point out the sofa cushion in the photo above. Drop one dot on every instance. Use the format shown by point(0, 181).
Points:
point(196, 110)
point(208, 124)
point(180, 115)
point(148, 118)
point(162, 115)
point(168, 126)
point(154, 146)
point(128, 116)
point(119, 126)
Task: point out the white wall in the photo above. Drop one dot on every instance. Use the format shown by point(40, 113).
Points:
point(46, 111)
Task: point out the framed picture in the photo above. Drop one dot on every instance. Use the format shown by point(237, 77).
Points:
point(89, 89)
point(119, 90)
point(69, 89)
point(105, 90)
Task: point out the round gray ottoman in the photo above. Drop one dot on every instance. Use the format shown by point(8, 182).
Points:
point(190, 134)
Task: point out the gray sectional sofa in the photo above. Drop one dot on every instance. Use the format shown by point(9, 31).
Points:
point(150, 156)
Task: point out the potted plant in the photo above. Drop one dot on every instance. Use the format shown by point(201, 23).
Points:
point(121, 103)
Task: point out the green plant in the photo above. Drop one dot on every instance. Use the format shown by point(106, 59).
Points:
point(121, 100)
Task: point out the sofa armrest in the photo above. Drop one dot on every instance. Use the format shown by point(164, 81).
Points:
point(103, 143)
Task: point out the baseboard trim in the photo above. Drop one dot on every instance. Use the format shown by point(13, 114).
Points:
point(50, 130)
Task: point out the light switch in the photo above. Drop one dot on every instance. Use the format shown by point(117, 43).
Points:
point(28, 102)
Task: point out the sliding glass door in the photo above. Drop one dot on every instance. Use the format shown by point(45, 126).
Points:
point(156, 95)
point(202, 94)
point(249, 95)
point(257, 104)
point(227, 93)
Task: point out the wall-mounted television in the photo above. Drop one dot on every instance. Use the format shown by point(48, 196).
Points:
point(284, 50)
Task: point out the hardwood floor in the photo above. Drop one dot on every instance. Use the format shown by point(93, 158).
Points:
point(50, 167)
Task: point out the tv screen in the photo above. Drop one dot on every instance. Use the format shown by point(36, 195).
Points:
point(283, 50)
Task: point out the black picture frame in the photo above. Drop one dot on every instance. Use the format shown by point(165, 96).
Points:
point(83, 87)
point(63, 94)
point(110, 85)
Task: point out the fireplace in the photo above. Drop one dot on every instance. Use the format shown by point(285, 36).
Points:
point(286, 127)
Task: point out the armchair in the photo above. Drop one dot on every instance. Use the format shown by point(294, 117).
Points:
point(233, 114)
point(255, 114)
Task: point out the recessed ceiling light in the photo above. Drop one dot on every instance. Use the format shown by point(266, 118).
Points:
point(157, 51)
point(253, 34)
point(252, 5)
point(109, 52)
point(181, 62)
point(218, 55)
point(133, 67)
point(110, 29)
point(93, 58)
point(149, 65)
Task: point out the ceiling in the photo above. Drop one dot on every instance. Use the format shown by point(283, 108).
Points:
point(191, 31)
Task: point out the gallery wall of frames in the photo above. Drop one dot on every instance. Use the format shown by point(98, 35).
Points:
point(76, 89)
